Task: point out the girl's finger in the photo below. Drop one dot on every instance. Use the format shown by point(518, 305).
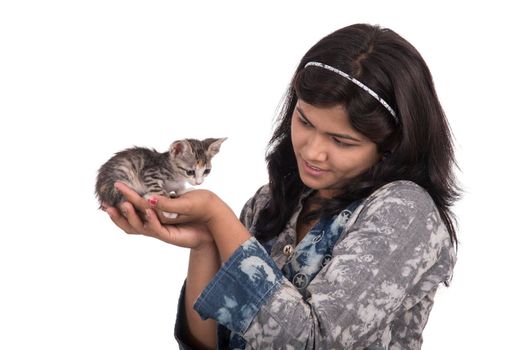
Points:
point(180, 219)
point(132, 218)
point(119, 220)
point(131, 196)
point(186, 236)
point(179, 205)
point(156, 228)
point(190, 203)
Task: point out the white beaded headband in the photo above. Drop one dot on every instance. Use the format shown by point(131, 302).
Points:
point(358, 83)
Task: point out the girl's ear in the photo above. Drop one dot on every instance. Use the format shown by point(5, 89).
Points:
point(178, 147)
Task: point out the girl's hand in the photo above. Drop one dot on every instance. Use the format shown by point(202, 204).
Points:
point(198, 211)
point(196, 206)
point(190, 231)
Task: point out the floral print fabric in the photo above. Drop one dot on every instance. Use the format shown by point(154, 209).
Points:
point(364, 279)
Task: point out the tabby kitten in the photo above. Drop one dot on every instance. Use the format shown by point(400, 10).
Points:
point(149, 172)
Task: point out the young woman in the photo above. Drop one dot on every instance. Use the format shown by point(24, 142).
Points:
point(348, 243)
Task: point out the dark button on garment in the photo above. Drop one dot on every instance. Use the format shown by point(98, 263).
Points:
point(326, 260)
point(300, 280)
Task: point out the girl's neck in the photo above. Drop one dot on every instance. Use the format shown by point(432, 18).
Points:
point(310, 203)
point(325, 193)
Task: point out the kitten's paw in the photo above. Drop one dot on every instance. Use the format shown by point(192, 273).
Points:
point(172, 194)
point(170, 215)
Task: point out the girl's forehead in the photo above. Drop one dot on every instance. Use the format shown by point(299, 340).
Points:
point(331, 120)
point(336, 115)
point(337, 111)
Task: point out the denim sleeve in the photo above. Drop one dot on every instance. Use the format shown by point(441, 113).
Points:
point(240, 288)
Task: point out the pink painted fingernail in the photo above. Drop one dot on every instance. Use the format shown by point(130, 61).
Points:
point(153, 201)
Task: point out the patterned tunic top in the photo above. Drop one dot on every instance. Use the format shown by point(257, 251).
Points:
point(363, 279)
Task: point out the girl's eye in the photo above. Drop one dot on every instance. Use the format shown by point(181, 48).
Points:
point(303, 122)
point(207, 171)
point(190, 172)
point(340, 143)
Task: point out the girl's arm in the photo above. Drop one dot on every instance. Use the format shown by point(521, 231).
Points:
point(203, 265)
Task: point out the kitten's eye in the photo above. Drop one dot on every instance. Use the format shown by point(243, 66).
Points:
point(190, 172)
point(207, 171)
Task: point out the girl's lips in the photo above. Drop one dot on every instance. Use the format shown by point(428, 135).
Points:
point(312, 170)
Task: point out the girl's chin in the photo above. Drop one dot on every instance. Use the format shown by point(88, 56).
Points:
point(314, 184)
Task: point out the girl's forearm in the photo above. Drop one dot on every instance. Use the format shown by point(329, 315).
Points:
point(227, 231)
point(203, 265)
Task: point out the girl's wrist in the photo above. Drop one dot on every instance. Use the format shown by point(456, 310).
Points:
point(217, 210)
point(227, 231)
point(205, 248)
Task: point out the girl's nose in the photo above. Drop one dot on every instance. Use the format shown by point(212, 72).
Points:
point(315, 149)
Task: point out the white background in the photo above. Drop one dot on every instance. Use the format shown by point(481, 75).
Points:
point(80, 80)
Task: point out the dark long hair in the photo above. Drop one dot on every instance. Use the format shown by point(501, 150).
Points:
point(418, 148)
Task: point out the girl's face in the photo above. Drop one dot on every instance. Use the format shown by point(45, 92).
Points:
point(329, 151)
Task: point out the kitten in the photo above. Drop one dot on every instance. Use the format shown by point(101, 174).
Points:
point(149, 172)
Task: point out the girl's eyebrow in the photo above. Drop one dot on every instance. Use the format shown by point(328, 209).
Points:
point(343, 136)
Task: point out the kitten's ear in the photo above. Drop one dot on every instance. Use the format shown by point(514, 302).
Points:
point(213, 145)
point(178, 147)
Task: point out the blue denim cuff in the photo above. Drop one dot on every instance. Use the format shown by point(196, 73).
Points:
point(238, 290)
